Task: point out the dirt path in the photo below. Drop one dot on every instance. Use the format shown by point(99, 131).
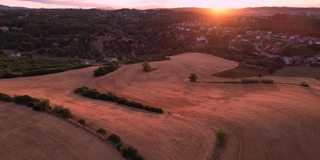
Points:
point(264, 121)
point(25, 134)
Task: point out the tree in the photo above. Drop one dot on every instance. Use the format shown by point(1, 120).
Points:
point(193, 77)
point(146, 66)
point(221, 137)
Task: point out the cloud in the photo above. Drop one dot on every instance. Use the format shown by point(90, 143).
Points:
point(69, 3)
point(143, 4)
point(106, 3)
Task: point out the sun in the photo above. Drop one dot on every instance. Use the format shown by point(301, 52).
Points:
point(221, 10)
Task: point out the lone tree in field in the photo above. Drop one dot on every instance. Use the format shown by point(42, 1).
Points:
point(193, 77)
point(221, 137)
point(146, 67)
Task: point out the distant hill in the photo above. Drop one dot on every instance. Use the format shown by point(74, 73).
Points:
point(267, 11)
point(3, 7)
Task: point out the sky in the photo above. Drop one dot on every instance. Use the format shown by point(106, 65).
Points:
point(144, 4)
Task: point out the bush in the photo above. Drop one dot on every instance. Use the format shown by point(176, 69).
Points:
point(41, 105)
point(146, 67)
point(250, 81)
point(113, 138)
point(62, 112)
point(82, 122)
point(221, 137)
point(35, 103)
point(304, 84)
point(193, 77)
point(5, 98)
point(128, 152)
point(105, 70)
point(269, 81)
point(24, 100)
point(101, 131)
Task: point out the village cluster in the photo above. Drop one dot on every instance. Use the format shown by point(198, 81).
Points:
point(265, 43)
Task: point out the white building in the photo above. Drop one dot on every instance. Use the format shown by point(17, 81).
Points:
point(4, 29)
point(202, 39)
point(287, 60)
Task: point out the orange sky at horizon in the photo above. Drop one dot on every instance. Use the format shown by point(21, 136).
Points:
point(143, 4)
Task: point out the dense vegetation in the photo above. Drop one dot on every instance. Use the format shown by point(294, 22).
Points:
point(62, 112)
point(105, 70)
point(92, 93)
point(115, 139)
point(5, 97)
point(101, 131)
point(37, 105)
point(11, 67)
point(127, 151)
point(140, 35)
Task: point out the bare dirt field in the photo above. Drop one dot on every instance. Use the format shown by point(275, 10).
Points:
point(264, 121)
point(25, 134)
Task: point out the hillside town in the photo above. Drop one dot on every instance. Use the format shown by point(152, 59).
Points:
point(264, 43)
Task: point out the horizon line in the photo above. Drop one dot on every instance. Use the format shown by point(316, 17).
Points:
point(142, 8)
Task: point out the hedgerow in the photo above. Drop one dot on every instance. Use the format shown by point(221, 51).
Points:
point(250, 81)
point(41, 105)
point(92, 93)
point(127, 151)
point(35, 103)
point(5, 97)
point(82, 122)
point(38, 72)
point(115, 139)
point(269, 81)
point(62, 112)
point(101, 131)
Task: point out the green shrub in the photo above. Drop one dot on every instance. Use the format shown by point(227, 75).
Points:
point(113, 138)
point(105, 70)
point(41, 105)
point(193, 77)
point(35, 103)
point(221, 137)
point(82, 122)
point(128, 152)
point(146, 66)
point(304, 84)
point(24, 100)
point(62, 112)
point(5, 98)
point(269, 81)
point(101, 131)
point(250, 81)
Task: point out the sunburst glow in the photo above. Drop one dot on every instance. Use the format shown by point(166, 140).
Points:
point(220, 10)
